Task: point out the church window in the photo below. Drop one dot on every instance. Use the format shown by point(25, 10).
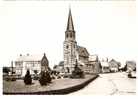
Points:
point(71, 35)
point(67, 35)
point(74, 35)
point(67, 47)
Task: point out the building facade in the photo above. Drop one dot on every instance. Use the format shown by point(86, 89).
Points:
point(59, 68)
point(114, 65)
point(73, 52)
point(131, 65)
point(105, 66)
point(32, 63)
point(45, 63)
point(70, 46)
point(94, 65)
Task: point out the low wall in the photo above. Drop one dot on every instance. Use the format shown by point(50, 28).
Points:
point(57, 92)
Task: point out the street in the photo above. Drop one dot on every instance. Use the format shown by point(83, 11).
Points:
point(110, 84)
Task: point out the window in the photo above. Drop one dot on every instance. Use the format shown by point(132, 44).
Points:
point(66, 35)
point(67, 47)
point(71, 35)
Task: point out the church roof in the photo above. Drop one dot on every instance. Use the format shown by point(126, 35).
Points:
point(82, 51)
point(70, 26)
point(61, 63)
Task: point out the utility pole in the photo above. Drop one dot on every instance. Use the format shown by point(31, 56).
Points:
point(12, 67)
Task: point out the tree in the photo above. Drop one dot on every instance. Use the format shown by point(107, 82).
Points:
point(27, 78)
point(48, 77)
point(77, 72)
point(125, 67)
point(35, 71)
point(44, 78)
point(6, 70)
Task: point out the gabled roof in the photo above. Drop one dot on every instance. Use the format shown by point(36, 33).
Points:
point(112, 60)
point(82, 51)
point(44, 61)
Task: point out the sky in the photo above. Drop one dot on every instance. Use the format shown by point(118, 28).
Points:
point(106, 28)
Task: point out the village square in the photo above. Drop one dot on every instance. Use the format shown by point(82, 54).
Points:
point(80, 72)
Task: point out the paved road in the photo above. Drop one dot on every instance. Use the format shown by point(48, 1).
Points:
point(110, 84)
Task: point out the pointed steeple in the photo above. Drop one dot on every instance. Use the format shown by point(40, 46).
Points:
point(70, 26)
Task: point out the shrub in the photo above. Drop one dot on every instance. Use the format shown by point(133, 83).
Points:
point(42, 79)
point(77, 73)
point(27, 78)
point(45, 78)
point(10, 78)
point(53, 77)
point(48, 77)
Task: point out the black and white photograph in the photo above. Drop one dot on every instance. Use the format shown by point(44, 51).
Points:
point(68, 47)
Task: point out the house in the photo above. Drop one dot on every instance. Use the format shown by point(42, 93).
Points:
point(105, 66)
point(130, 65)
point(59, 68)
point(33, 63)
point(94, 66)
point(114, 65)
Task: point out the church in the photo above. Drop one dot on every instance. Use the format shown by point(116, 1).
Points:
point(72, 51)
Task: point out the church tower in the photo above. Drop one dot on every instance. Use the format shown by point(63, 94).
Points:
point(70, 46)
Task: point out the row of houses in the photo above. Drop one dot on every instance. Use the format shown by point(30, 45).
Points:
point(37, 63)
point(94, 66)
point(110, 66)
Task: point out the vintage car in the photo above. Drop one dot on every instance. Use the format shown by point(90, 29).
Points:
point(132, 74)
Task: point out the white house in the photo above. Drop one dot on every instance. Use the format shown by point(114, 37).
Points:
point(105, 66)
point(28, 62)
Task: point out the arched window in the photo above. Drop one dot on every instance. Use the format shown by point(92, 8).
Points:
point(67, 47)
point(67, 35)
point(71, 35)
point(74, 35)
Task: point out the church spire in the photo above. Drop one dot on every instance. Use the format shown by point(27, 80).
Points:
point(70, 26)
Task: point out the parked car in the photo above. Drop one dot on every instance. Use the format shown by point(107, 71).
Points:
point(132, 74)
